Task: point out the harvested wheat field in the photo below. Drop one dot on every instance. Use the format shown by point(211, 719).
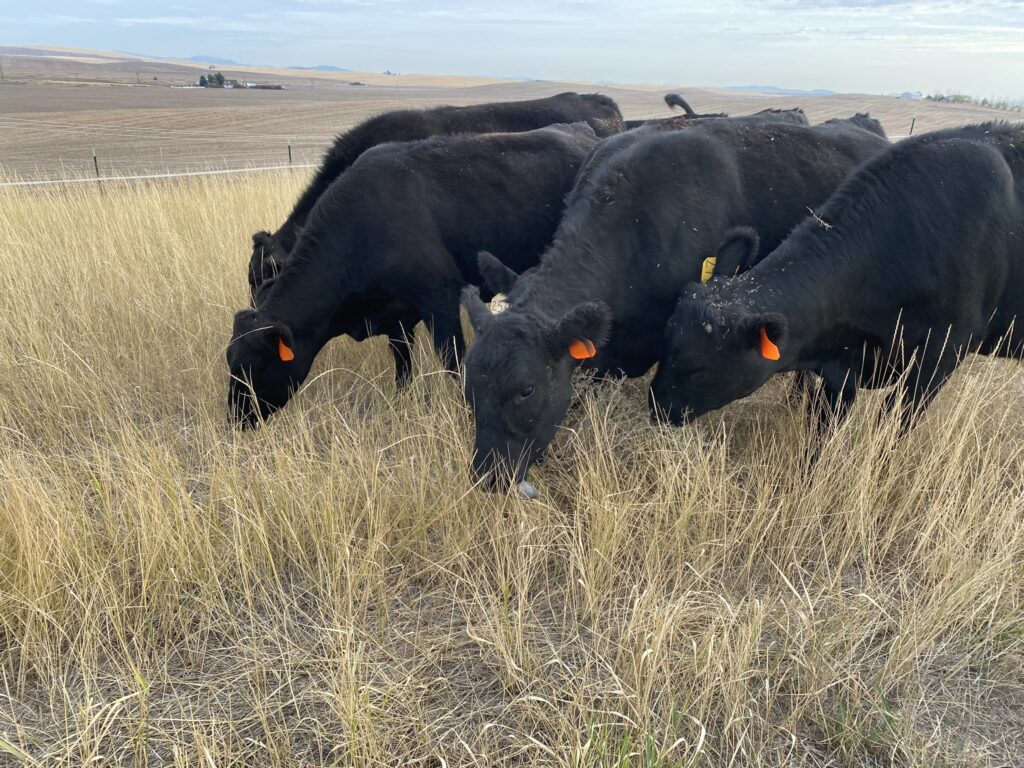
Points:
point(332, 590)
point(57, 106)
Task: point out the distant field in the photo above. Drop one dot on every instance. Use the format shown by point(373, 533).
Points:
point(49, 125)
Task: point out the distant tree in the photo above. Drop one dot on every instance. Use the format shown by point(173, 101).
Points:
point(202, 81)
point(219, 79)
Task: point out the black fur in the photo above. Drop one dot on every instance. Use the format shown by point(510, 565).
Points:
point(600, 112)
point(394, 240)
point(647, 209)
point(861, 120)
point(793, 116)
point(917, 259)
point(675, 100)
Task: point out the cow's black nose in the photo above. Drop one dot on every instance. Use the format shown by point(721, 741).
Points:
point(661, 414)
point(242, 411)
point(658, 415)
point(489, 481)
point(490, 473)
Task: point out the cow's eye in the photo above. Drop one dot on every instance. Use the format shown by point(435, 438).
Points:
point(526, 392)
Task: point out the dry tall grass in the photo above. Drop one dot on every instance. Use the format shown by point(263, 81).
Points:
point(332, 590)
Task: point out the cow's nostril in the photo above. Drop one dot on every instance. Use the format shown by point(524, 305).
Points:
point(488, 480)
point(490, 476)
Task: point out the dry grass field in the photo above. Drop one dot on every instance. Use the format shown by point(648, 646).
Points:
point(332, 590)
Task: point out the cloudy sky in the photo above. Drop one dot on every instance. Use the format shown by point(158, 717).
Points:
point(973, 46)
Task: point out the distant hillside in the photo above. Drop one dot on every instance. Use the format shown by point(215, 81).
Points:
point(215, 60)
point(323, 68)
point(776, 91)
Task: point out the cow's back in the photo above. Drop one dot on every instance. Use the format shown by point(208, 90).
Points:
point(502, 192)
point(643, 220)
point(787, 172)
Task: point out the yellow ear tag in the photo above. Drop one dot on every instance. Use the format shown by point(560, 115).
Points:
point(707, 269)
point(582, 349)
point(768, 349)
point(284, 351)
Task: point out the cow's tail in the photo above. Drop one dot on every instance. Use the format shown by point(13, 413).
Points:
point(675, 100)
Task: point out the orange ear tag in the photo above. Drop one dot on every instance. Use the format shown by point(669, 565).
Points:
point(768, 349)
point(582, 349)
point(284, 351)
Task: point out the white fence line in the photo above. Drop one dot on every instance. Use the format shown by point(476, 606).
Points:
point(50, 182)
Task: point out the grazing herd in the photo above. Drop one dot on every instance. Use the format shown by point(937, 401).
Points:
point(721, 249)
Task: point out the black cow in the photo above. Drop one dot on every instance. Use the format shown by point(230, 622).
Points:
point(638, 226)
point(600, 112)
point(916, 259)
point(861, 120)
point(393, 241)
point(794, 116)
point(673, 100)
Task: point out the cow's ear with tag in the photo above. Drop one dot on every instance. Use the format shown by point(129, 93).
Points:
point(767, 334)
point(580, 332)
point(479, 314)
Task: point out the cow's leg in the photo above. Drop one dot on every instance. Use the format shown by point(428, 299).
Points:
point(831, 404)
point(400, 339)
point(804, 384)
point(445, 324)
point(920, 385)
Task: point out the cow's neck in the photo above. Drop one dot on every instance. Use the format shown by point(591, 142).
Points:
point(814, 286)
point(345, 150)
point(571, 273)
point(311, 290)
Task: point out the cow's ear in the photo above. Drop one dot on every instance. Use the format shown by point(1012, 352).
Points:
point(497, 277)
point(284, 342)
point(580, 332)
point(245, 323)
point(253, 334)
point(479, 315)
point(767, 334)
point(738, 251)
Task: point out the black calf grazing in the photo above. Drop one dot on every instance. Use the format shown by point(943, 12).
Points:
point(271, 250)
point(794, 116)
point(647, 212)
point(917, 259)
point(861, 120)
point(393, 241)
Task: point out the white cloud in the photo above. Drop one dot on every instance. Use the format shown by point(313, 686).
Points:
point(862, 45)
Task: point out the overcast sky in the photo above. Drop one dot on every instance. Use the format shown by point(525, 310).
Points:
point(873, 46)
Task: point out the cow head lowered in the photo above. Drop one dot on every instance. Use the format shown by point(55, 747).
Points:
point(715, 355)
point(716, 351)
point(518, 382)
point(266, 365)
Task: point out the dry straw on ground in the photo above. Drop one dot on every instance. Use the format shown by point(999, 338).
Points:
point(331, 590)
